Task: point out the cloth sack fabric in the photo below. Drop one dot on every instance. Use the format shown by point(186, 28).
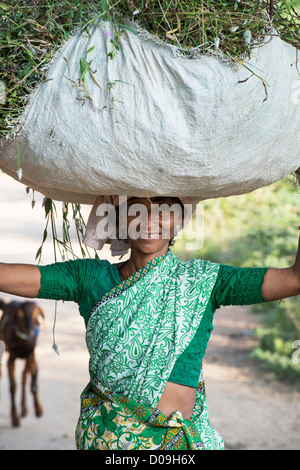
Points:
point(158, 123)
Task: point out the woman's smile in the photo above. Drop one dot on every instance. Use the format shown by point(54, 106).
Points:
point(150, 236)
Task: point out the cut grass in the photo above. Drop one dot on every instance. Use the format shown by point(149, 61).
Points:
point(31, 31)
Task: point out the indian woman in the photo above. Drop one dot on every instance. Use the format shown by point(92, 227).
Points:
point(148, 322)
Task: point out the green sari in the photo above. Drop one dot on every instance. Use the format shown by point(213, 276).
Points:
point(134, 336)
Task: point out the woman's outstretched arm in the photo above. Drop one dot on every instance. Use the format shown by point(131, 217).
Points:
point(281, 283)
point(20, 279)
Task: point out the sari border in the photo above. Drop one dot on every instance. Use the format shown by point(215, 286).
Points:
point(122, 286)
point(151, 415)
point(172, 429)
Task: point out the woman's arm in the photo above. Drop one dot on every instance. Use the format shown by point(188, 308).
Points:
point(281, 283)
point(20, 279)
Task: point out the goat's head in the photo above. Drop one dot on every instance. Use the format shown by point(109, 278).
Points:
point(20, 327)
point(26, 317)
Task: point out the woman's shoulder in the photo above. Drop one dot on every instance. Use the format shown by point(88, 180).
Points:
point(97, 262)
point(198, 266)
point(77, 266)
point(199, 262)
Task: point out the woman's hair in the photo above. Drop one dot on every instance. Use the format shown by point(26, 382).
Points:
point(172, 242)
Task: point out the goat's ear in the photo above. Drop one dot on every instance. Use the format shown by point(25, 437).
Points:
point(41, 312)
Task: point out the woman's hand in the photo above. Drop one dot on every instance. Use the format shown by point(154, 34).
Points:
point(20, 279)
point(281, 283)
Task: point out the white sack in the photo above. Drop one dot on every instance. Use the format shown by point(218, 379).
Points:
point(186, 127)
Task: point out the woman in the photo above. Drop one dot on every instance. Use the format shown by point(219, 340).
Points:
point(148, 321)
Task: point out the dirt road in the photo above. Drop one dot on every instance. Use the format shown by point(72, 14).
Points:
point(248, 407)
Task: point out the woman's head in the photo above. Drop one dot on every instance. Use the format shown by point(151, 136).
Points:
point(150, 223)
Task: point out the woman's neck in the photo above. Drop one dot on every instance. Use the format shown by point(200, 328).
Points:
point(139, 259)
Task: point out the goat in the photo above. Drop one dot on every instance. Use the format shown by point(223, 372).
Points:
point(19, 328)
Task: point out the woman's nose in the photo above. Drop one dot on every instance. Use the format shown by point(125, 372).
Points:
point(150, 218)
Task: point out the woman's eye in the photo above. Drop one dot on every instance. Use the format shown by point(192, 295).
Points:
point(162, 201)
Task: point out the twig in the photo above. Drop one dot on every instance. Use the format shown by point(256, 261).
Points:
point(271, 10)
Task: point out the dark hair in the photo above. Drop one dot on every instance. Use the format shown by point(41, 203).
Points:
point(172, 242)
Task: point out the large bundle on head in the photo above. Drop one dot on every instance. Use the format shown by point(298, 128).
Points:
point(147, 98)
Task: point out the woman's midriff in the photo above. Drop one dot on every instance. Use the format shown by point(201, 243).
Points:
point(177, 397)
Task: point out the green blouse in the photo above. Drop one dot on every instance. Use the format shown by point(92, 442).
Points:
point(85, 281)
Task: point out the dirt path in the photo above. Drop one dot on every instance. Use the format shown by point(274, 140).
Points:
point(248, 407)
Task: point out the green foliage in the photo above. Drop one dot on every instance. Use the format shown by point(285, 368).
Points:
point(62, 242)
point(259, 229)
point(31, 31)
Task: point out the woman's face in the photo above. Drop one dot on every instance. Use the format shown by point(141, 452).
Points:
point(151, 222)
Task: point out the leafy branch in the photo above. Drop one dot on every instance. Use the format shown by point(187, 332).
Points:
point(63, 247)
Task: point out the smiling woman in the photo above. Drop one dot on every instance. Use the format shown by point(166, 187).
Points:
point(148, 323)
point(148, 320)
point(151, 232)
point(157, 217)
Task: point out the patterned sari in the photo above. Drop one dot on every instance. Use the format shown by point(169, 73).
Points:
point(134, 336)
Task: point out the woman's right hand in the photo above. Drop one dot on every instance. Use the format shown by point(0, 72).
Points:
point(20, 279)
